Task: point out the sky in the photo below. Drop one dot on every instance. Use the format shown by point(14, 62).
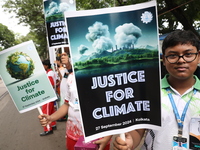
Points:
point(12, 23)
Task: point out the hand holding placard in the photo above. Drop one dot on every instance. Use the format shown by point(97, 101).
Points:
point(40, 111)
point(122, 136)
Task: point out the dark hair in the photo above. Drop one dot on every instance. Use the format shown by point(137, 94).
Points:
point(180, 37)
point(58, 58)
point(47, 63)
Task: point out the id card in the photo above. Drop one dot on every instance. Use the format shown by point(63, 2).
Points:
point(194, 136)
point(74, 105)
point(179, 143)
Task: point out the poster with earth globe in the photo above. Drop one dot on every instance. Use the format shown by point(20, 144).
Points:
point(115, 56)
point(25, 78)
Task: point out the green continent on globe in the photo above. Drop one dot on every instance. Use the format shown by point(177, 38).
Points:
point(20, 65)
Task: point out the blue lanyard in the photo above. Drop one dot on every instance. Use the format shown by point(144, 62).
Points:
point(178, 119)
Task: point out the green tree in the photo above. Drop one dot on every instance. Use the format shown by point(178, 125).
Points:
point(94, 4)
point(7, 37)
point(170, 12)
point(30, 12)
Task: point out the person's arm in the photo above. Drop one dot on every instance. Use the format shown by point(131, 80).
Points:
point(133, 139)
point(103, 142)
point(60, 75)
point(61, 112)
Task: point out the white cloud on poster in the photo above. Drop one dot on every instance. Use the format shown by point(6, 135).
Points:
point(55, 8)
point(82, 49)
point(127, 35)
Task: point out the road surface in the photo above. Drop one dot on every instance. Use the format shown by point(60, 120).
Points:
point(21, 131)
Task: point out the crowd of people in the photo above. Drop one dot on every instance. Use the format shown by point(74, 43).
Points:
point(180, 101)
point(68, 105)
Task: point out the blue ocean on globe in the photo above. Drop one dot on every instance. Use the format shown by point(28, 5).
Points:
point(19, 65)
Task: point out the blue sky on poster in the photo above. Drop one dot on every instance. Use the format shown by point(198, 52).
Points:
point(11, 22)
point(108, 23)
point(57, 6)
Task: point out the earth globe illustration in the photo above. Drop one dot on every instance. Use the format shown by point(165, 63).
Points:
point(19, 65)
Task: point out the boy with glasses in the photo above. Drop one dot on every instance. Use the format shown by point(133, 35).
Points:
point(180, 97)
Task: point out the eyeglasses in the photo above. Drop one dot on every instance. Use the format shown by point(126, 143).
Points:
point(188, 57)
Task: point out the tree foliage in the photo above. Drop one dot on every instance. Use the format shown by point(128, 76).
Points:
point(7, 37)
point(171, 13)
point(113, 58)
point(185, 12)
point(30, 12)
